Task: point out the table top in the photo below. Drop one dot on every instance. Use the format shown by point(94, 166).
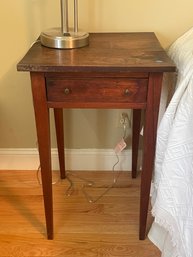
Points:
point(106, 52)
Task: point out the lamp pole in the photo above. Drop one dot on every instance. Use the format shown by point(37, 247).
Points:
point(75, 16)
point(64, 16)
point(63, 37)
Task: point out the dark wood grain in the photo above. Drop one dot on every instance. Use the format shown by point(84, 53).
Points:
point(59, 124)
point(135, 140)
point(97, 90)
point(43, 134)
point(116, 70)
point(107, 52)
point(150, 132)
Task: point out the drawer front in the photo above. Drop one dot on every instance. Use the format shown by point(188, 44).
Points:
point(107, 90)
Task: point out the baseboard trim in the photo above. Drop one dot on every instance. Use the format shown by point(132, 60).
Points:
point(76, 159)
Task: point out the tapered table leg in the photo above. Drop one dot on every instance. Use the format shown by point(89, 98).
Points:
point(135, 140)
point(58, 115)
point(150, 132)
point(43, 134)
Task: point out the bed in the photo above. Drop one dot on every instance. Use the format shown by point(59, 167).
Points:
point(172, 186)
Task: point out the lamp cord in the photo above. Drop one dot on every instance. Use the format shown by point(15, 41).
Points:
point(89, 183)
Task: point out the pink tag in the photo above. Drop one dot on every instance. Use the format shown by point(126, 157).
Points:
point(120, 146)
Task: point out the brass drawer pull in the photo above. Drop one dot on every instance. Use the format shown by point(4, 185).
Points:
point(127, 91)
point(66, 91)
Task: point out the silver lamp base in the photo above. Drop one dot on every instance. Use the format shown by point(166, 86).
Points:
point(55, 39)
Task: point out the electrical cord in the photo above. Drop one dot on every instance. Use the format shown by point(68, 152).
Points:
point(39, 169)
point(91, 184)
point(39, 180)
point(89, 198)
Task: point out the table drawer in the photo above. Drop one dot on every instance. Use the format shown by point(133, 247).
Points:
point(108, 90)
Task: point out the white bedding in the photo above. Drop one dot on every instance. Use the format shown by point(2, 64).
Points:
point(172, 187)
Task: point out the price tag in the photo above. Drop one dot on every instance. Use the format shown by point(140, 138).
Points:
point(120, 146)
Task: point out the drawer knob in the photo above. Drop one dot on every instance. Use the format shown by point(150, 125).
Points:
point(126, 91)
point(66, 91)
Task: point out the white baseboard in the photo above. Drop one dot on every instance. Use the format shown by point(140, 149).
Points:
point(76, 159)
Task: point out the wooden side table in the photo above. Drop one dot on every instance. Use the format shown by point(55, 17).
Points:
point(116, 70)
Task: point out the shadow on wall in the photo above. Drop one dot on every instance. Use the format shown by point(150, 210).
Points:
point(34, 15)
point(16, 110)
point(93, 128)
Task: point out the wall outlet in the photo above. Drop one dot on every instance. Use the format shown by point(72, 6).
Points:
point(124, 119)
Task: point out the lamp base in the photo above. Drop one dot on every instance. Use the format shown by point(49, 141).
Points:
point(55, 39)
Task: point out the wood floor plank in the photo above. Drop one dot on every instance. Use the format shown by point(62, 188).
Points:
point(107, 228)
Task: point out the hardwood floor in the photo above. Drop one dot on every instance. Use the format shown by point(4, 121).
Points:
point(107, 228)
